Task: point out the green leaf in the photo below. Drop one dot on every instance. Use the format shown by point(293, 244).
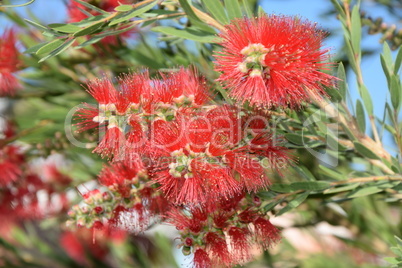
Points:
point(364, 192)
point(98, 37)
point(297, 139)
point(387, 56)
point(193, 17)
point(50, 46)
point(302, 185)
point(187, 33)
point(385, 68)
point(217, 10)
point(342, 85)
point(89, 29)
point(368, 103)
point(364, 151)
point(396, 92)
point(91, 7)
point(350, 54)
point(34, 49)
point(304, 172)
point(233, 9)
point(247, 8)
point(294, 203)
point(356, 31)
point(134, 13)
point(65, 28)
point(271, 205)
point(332, 173)
point(123, 8)
point(58, 50)
point(398, 241)
point(360, 116)
point(338, 7)
point(398, 61)
point(342, 188)
point(37, 25)
point(20, 5)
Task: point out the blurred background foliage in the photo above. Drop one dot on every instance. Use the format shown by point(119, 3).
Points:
point(348, 225)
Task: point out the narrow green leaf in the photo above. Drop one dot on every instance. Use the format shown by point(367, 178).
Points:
point(368, 103)
point(398, 241)
point(342, 188)
point(332, 173)
point(58, 50)
point(217, 10)
point(360, 116)
point(134, 13)
point(385, 69)
point(50, 46)
point(398, 61)
point(271, 205)
point(304, 172)
point(37, 25)
point(386, 52)
point(364, 151)
point(187, 33)
point(123, 8)
point(86, 4)
point(294, 203)
point(342, 85)
point(65, 28)
point(96, 38)
point(396, 92)
point(364, 192)
point(310, 185)
point(356, 29)
point(297, 139)
point(233, 9)
point(89, 29)
point(20, 5)
point(34, 48)
point(339, 8)
point(351, 57)
point(301, 185)
point(247, 8)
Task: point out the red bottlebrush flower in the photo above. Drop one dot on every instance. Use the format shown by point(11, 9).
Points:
point(194, 222)
point(272, 61)
point(120, 176)
point(201, 259)
point(103, 91)
point(265, 233)
point(9, 63)
point(182, 87)
point(73, 246)
point(89, 117)
point(10, 164)
point(240, 244)
point(112, 143)
point(218, 248)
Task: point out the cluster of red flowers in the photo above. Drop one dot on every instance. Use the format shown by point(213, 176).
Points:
point(21, 184)
point(225, 233)
point(9, 64)
point(171, 149)
point(178, 157)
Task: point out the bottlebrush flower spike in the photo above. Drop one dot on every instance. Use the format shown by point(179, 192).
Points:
point(9, 63)
point(271, 61)
point(209, 156)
